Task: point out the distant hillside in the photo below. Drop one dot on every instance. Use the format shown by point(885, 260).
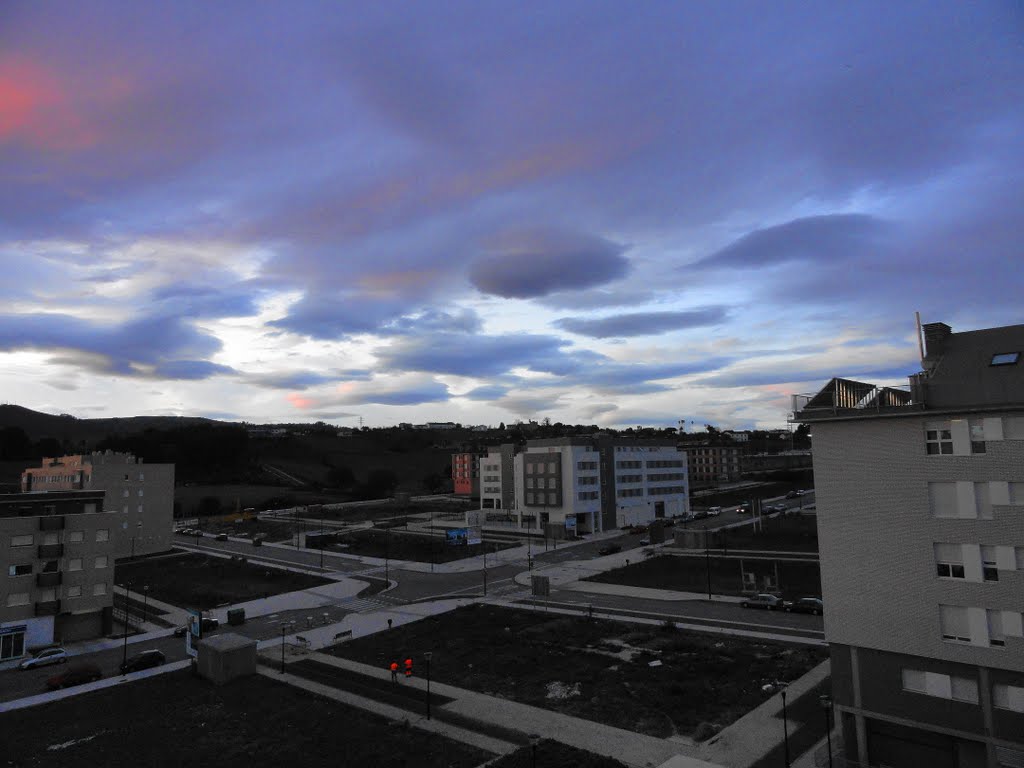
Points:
point(67, 428)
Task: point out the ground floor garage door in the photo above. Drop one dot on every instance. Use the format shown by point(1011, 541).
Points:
point(72, 627)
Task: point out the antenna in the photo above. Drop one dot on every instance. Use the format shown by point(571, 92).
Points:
point(360, 422)
point(920, 338)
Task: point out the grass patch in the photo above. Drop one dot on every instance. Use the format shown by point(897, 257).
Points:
point(554, 754)
point(789, 533)
point(178, 719)
point(203, 582)
point(594, 669)
point(690, 574)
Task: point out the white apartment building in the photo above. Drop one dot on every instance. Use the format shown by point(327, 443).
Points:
point(920, 507)
point(592, 484)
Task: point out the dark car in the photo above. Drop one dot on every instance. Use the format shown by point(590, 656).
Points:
point(221, 537)
point(792, 495)
point(804, 605)
point(768, 602)
point(744, 508)
point(84, 673)
point(609, 549)
point(144, 660)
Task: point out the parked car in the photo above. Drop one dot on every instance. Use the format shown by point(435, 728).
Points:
point(700, 514)
point(645, 542)
point(768, 602)
point(144, 660)
point(804, 605)
point(221, 537)
point(801, 493)
point(45, 657)
point(609, 549)
point(744, 508)
point(83, 673)
point(714, 511)
point(793, 495)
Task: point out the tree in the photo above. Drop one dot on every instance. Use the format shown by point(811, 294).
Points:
point(380, 482)
point(209, 505)
point(340, 477)
point(432, 482)
point(14, 443)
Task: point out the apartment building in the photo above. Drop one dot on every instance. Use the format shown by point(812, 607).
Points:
point(497, 478)
point(711, 465)
point(920, 501)
point(466, 474)
point(588, 484)
point(143, 494)
point(56, 567)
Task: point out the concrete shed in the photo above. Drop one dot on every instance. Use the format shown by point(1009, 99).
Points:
point(226, 656)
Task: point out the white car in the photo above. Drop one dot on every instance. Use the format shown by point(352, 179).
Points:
point(714, 511)
point(45, 657)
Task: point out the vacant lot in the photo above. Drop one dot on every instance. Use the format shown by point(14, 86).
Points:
point(790, 533)
point(594, 669)
point(270, 530)
point(690, 574)
point(203, 582)
point(177, 719)
point(409, 546)
point(554, 754)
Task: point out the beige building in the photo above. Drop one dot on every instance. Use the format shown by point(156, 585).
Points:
point(143, 494)
point(56, 569)
point(920, 503)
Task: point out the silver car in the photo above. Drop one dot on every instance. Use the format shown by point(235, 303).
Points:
point(45, 657)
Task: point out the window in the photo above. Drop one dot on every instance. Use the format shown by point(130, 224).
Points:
point(51, 538)
point(1008, 697)
point(529, 482)
point(529, 498)
point(47, 595)
point(12, 645)
point(74, 591)
point(977, 430)
point(103, 534)
point(125, 493)
point(99, 589)
point(954, 623)
point(100, 562)
point(89, 508)
point(20, 570)
point(17, 598)
point(552, 498)
point(1005, 358)
point(75, 537)
point(586, 465)
point(941, 685)
point(529, 469)
point(587, 495)
point(943, 500)
point(51, 566)
point(551, 467)
point(949, 561)
point(22, 541)
point(1019, 556)
point(988, 563)
point(995, 628)
point(587, 480)
point(75, 564)
point(140, 490)
point(938, 441)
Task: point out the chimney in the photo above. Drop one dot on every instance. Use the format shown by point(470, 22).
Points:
point(935, 336)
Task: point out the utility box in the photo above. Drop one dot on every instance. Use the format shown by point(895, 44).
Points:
point(224, 657)
point(236, 616)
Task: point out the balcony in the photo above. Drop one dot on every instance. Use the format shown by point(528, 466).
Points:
point(49, 579)
point(843, 397)
point(51, 523)
point(49, 608)
point(50, 551)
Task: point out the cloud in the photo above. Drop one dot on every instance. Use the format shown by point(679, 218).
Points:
point(530, 264)
point(381, 391)
point(289, 380)
point(826, 239)
point(642, 323)
point(488, 392)
point(471, 355)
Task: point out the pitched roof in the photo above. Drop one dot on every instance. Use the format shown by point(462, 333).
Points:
point(964, 374)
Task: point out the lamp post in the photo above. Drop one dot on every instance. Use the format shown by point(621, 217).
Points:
point(387, 552)
point(426, 658)
point(826, 704)
point(431, 539)
point(707, 563)
point(321, 537)
point(145, 602)
point(127, 593)
point(785, 722)
point(534, 741)
point(284, 630)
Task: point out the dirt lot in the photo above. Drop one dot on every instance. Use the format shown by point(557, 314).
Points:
point(407, 546)
point(791, 533)
point(177, 719)
point(270, 530)
point(553, 754)
point(203, 582)
point(690, 574)
point(594, 669)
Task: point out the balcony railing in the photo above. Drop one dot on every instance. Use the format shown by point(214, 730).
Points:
point(49, 579)
point(50, 551)
point(842, 396)
point(48, 608)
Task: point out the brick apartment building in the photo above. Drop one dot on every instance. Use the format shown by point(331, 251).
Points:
point(56, 569)
point(920, 504)
point(711, 465)
point(142, 494)
point(466, 474)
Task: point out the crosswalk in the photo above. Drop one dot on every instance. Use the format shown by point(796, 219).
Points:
point(368, 604)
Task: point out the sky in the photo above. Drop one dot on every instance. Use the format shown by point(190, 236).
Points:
point(595, 212)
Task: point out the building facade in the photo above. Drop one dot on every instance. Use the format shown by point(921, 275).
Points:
point(57, 569)
point(466, 474)
point(711, 465)
point(497, 478)
point(143, 494)
point(920, 502)
point(590, 484)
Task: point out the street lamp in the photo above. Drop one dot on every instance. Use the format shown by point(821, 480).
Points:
point(427, 656)
point(785, 720)
point(387, 552)
point(145, 602)
point(285, 625)
point(534, 741)
point(127, 593)
point(826, 704)
point(321, 537)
